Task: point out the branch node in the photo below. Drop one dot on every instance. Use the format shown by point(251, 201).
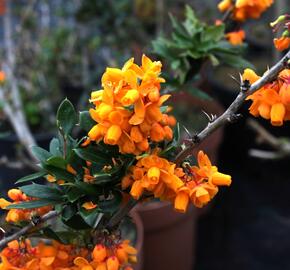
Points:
point(195, 138)
point(234, 117)
point(245, 86)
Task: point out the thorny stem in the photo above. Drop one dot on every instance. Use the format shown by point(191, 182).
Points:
point(26, 229)
point(230, 114)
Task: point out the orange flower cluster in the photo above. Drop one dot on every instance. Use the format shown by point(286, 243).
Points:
point(236, 37)
point(16, 215)
point(127, 109)
point(112, 257)
point(272, 101)
point(23, 256)
point(244, 9)
point(198, 184)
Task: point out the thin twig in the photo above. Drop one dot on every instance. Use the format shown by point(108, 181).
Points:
point(115, 220)
point(26, 229)
point(229, 115)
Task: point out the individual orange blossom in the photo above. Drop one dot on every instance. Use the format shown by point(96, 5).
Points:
point(236, 37)
point(282, 43)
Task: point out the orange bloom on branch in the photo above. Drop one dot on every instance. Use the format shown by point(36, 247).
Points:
point(128, 108)
point(282, 43)
point(272, 101)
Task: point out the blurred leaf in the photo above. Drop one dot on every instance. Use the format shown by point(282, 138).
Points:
point(74, 193)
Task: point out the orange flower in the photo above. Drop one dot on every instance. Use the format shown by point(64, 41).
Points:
point(282, 43)
point(2, 76)
point(236, 37)
point(272, 101)
point(127, 109)
point(244, 9)
point(156, 175)
point(17, 215)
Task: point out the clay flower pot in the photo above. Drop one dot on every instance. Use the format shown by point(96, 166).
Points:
point(140, 239)
point(168, 236)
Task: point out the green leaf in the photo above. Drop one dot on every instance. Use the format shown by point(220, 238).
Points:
point(90, 154)
point(235, 61)
point(66, 117)
point(60, 174)
point(176, 133)
point(54, 147)
point(213, 33)
point(42, 192)
point(86, 121)
point(91, 217)
point(33, 204)
point(68, 212)
point(73, 194)
point(58, 162)
point(88, 189)
point(40, 153)
point(64, 237)
point(31, 177)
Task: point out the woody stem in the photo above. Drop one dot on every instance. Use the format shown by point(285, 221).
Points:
point(26, 229)
point(229, 115)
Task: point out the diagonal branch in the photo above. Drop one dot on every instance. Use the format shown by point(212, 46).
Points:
point(230, 114)
point(26, 229)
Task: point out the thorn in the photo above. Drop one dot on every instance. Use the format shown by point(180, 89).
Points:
point(210, 117)
point(187, 131)
point(234, 117)
point(239, 83)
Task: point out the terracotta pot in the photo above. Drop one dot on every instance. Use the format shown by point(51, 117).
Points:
point(168, 236)
point(140, 239)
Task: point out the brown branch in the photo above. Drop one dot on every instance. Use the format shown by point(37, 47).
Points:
point(26, 229)
point(230, 114)
point(116, 218)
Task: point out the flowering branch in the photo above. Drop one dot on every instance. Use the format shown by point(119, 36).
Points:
point(230, 115)
point(26, 229)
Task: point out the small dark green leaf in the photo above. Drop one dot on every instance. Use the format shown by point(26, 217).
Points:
point(73, 194)
point(86, 121)
point(91, 155)
point(91, 217)
point(40, 153)
point(58, 162)
point(88, 189)
point(59, 173)
point(33, 204)
point(66, 117)
point(42, 192)
point(31, 177)
point(54, 147)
